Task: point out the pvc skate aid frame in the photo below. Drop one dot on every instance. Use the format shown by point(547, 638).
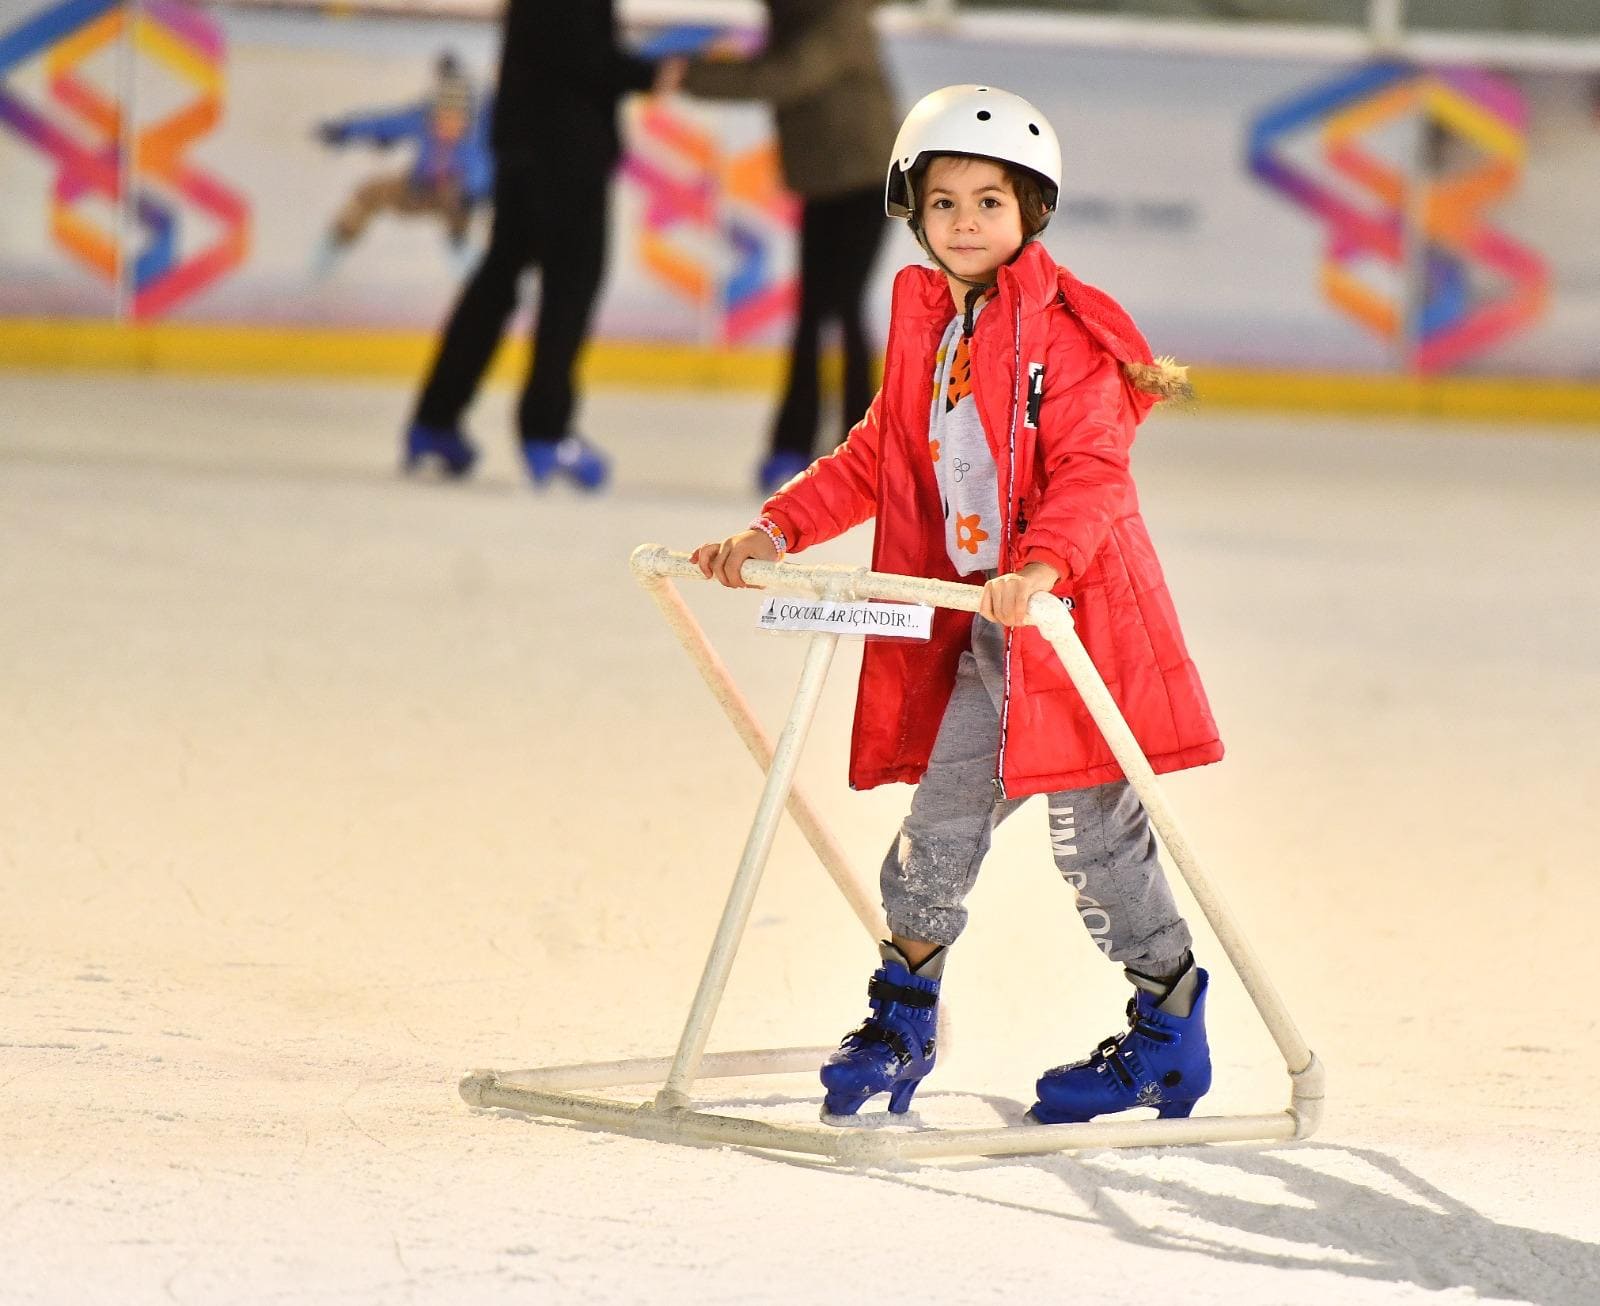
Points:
point(670, 1116)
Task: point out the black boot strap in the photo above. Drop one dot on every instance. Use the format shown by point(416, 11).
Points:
point(882, 990)
point(1153, 1032)
point(1109, 1053)
point(871, 1031)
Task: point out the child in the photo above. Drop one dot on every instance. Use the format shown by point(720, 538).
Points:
point(997, 452)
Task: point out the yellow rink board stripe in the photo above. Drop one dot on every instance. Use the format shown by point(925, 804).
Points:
point(47, 344)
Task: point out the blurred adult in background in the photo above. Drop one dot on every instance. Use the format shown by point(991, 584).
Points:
point(554, 135)
point(822, 72)
point(451, 173)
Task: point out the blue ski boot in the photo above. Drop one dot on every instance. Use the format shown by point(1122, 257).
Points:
point(891, 1051)
point(572, 457)
point(1160, 1060)
point(449, 447)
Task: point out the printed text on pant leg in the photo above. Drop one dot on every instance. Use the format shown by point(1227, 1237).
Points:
point(1063, 833)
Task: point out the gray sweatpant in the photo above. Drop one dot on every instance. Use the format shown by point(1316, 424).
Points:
point(1100, 837)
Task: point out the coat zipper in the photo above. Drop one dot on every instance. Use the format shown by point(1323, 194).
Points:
point(1005, 540)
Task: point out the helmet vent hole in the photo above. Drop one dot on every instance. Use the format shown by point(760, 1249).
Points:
point(983, 115)
point(1034, 128)
point(982, 88)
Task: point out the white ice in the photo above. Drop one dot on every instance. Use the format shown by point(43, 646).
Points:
point(321, 787)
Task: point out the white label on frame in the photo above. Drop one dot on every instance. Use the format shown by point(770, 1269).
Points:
point(870, 617)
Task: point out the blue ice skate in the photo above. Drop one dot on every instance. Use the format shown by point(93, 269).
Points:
point(1160, 1060)
point(572, 457)
point(779, 469)
point(892, 1051)
point(448, 447)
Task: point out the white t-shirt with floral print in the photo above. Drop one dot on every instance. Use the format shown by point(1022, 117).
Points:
point(968, 481)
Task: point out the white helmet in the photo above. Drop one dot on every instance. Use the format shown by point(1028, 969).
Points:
point(978, 120)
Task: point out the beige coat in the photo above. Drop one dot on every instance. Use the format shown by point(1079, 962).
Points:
point(822, 72)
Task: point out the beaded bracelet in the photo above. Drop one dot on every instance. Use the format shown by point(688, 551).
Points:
point(773, 532)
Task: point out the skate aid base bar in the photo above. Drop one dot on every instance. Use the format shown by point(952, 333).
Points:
point(566, 1092)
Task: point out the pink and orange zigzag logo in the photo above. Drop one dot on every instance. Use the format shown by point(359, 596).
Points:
point(1479, 285)
point(712, 219)
point(699, 197)
point(84, 138)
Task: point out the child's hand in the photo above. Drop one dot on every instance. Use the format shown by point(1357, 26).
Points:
point(722, 562)
point(1005, 598)
point(669, 75)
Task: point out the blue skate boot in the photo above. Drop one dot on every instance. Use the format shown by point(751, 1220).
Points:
point(1160, 1060)
point(891, 1051)
point(449, 447)
point(572, 457)
point(779, 469)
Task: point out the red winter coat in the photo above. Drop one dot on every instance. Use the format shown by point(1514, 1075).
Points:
point(1063, 463)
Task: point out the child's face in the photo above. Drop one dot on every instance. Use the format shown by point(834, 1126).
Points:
point(970, 216)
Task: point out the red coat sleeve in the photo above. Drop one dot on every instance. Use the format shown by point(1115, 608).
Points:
point(836, 492)
point(1086, 428)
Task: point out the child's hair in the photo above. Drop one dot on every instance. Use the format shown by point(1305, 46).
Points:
point(1024, 185)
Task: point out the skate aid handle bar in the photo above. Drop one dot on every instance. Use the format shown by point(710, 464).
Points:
point(845, 584)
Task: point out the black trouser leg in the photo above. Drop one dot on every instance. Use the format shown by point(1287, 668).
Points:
point(569, 287)
point(479, 319)
point(794, 428)
point(857, 239)
point(839, 242)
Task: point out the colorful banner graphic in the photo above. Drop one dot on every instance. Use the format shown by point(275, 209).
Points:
point(1386, 276)
point(714, 218)
point(81, 129)
point(1477, 286)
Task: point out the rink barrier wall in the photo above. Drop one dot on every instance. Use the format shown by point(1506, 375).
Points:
point(175, 347)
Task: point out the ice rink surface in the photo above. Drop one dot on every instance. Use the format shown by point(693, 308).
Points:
point(321, 787)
